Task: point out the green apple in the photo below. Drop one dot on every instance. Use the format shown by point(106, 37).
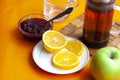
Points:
point(105, 64)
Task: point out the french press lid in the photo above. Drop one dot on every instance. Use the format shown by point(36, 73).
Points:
point(103, 1)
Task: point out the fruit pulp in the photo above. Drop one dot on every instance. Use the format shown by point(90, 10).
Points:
point(97, 24)
point(66, 60)
point(53, 41)
point(35, 26)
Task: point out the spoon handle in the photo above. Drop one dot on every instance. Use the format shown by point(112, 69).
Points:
point(67, 11)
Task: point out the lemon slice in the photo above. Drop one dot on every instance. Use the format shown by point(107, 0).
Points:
point(75, 46)
point(53, 41)
point(66, 60)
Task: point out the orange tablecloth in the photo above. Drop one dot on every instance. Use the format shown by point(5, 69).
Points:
point(16, 61)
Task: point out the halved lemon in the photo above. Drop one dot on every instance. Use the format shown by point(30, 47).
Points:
point(66, 60)
point(75, 46)
point(53, 41)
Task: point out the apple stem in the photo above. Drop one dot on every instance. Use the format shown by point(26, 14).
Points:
point(112, 57)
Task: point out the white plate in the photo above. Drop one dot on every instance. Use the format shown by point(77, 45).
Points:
point(43, 59)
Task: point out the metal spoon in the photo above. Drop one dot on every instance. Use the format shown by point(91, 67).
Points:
point(67, 11)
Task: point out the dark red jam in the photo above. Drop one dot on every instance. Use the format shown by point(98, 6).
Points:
point(34, 27)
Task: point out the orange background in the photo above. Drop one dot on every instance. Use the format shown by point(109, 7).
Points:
point(16, 61)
